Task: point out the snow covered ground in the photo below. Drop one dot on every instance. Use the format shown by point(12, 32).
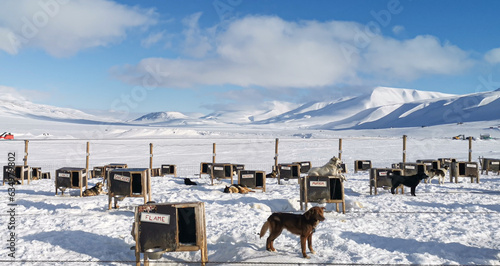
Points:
point(454, 223)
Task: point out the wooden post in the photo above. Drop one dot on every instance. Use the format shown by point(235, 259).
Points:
point(470, 149)
point(87, 160)
point(150, 156)
point(213, 162)
point(276, 159)
point(25, 162)
point(340, 149)
point(404, 148)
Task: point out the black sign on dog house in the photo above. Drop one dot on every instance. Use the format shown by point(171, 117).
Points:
point(322, 189)
point(288, 171)
point(362, 165)
point(17, 173)
point(169, 227)
point(71, 177)
point(464, 169)
point(169, 169)
point(304, 166)
point(382, 177)
point(129, 182)
point(222, 171)
point(490, 164)
point(252, 179)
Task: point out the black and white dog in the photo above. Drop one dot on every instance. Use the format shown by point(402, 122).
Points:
point(411, 181)
point(440, 173)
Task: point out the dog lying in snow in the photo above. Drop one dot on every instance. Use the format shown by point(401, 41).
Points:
point(411, 181)
point(237, 189)
point(94, 191)
point(331, 168)
point(440, 173)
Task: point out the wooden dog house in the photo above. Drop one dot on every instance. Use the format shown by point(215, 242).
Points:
point(304, 166)
point(17, 173)
point(464, 169)
point(252, 179)
point(446, 161)
point(169, 227)
point(205, 168)
point(412, 168)
point(489, 164)
point(382, 177)
point(98, 171)
point(222, 171)
point(36, 173)
point(109, 167)
point(71, 177)
point(169, 169)
point(288, 171)
point(128, 182)
point(362, 165)
point(322, 189)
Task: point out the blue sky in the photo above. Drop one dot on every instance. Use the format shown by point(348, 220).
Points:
point(135, 57)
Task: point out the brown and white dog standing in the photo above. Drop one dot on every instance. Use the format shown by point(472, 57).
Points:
point(299, 224)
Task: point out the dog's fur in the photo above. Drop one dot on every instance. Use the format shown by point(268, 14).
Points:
point(440, 173)
point(188, 182)
point(331, 168)
point(94, 191)
point(299, 224)
point(237, 188)
point(411, 181)
point(273, 174)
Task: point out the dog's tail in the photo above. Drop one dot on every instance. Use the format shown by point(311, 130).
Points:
point(264, 229)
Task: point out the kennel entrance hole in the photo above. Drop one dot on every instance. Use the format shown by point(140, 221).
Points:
point(136, 183)
point(75, 179)
point(259, 179)
point(186, 222)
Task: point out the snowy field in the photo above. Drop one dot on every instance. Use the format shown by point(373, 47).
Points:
point(454, 223)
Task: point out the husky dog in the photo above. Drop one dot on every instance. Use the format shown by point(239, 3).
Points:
point(94, 191)
point(237, 189)
point(440, 173)
point(331, 168)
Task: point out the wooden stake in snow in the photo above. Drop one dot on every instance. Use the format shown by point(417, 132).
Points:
point(404, 148)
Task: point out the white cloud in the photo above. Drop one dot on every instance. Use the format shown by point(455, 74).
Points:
point(153, 39)
point(398, 29)
point(413, 58)
point(273, 53)
point(493, 56)
point(62, 28)
point(197, 43)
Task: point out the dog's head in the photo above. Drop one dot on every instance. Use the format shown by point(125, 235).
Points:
point(421, 175)
point(99, 185)
point(315, 213)
point(335, 161)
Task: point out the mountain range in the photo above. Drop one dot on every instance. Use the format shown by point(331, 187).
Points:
point(381, 108)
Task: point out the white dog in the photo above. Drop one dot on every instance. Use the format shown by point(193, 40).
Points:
point(331, 168)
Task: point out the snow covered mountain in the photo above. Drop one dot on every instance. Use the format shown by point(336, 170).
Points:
point(161, 117)
point(14, 105)
point(382, 108)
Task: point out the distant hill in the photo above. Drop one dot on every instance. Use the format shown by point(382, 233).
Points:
point(382, 108)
